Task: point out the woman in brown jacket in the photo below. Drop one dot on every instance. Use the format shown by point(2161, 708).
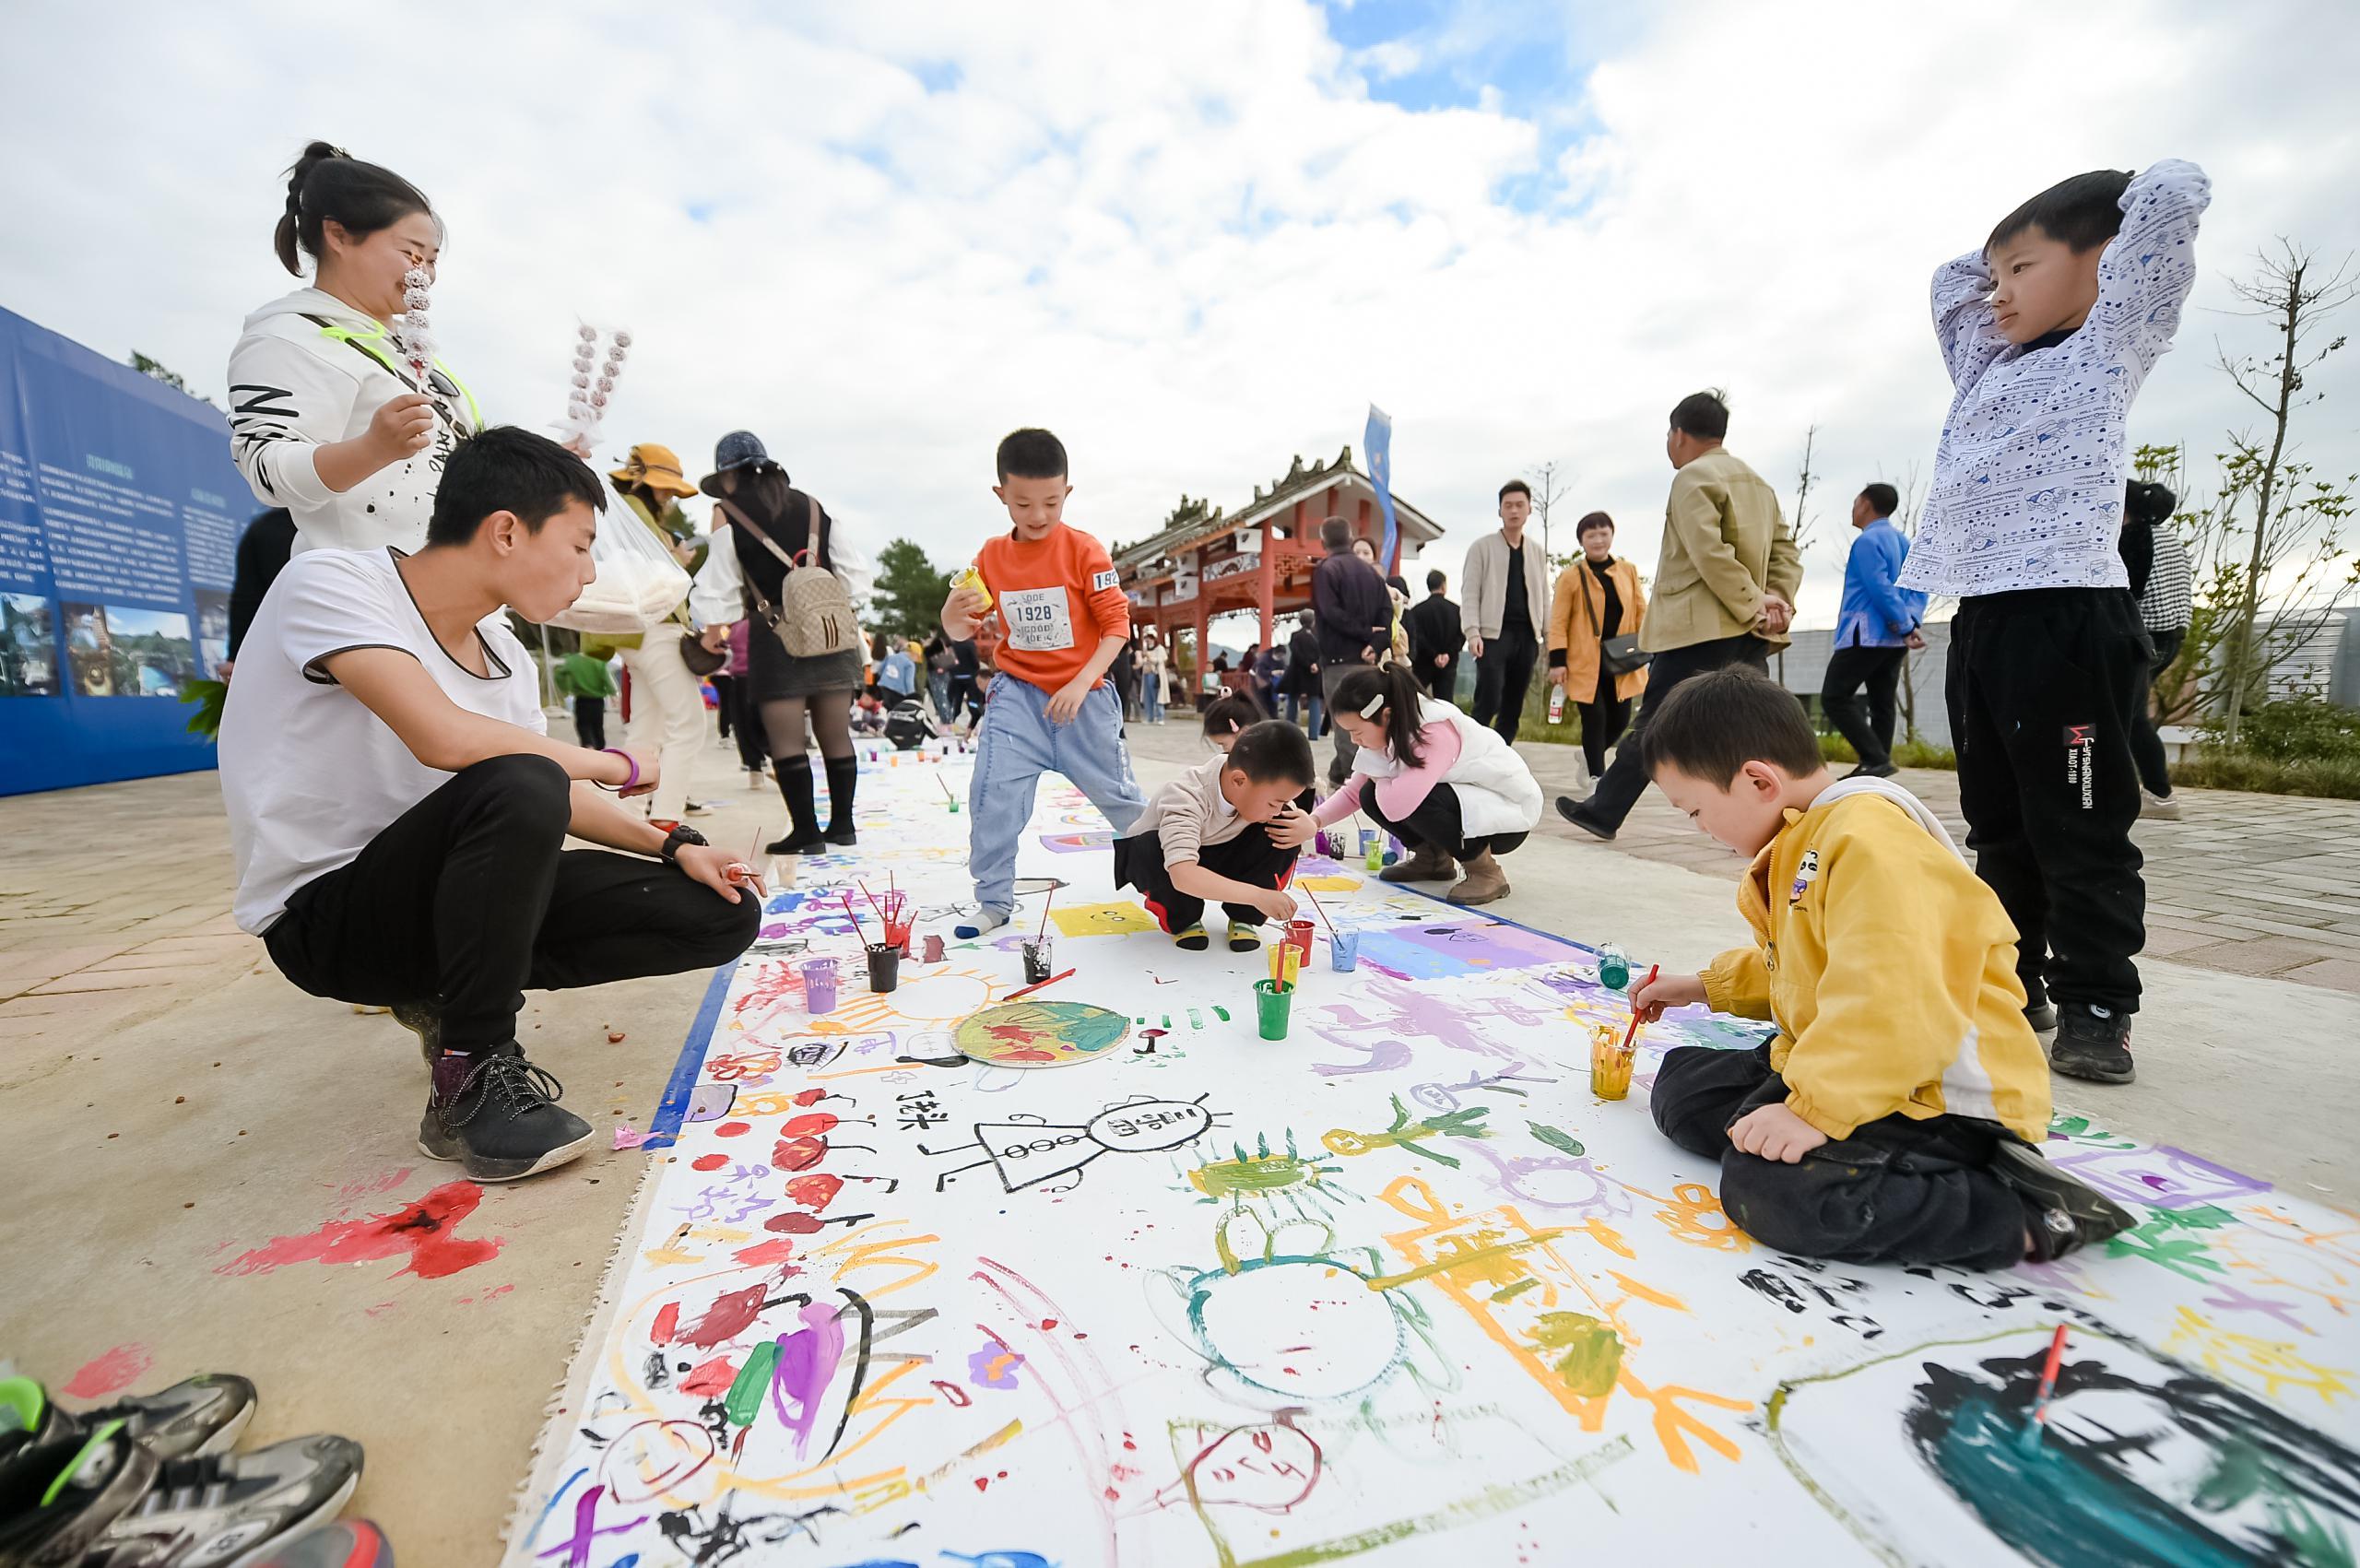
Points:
point(1597, 598)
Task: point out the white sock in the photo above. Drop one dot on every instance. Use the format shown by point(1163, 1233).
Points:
point(985, 920)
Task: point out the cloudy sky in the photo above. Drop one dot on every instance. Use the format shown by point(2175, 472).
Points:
point(1192, 239)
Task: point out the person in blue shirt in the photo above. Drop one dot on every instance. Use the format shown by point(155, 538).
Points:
point(1874, 632)
point(897, 672)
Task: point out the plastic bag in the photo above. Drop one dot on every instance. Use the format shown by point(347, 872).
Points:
point(639, 582)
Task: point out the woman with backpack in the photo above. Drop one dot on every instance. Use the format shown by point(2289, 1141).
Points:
point(327, 418)
point(804, 661)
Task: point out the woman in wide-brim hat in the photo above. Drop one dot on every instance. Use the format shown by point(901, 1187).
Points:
point(667, 697)
point(794, 696)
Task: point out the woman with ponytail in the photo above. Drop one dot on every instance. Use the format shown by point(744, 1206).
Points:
point(1447, 787)
point(328, 417)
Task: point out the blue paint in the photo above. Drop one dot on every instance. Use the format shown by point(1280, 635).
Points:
point(555, 1498)
point(664, 1127)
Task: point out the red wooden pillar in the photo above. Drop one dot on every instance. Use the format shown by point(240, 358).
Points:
point(1204, 645)
point(1266, 580)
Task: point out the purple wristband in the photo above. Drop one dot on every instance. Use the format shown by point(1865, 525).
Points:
point(629, 760)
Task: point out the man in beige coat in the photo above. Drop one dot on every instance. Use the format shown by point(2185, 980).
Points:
point(1724, 592)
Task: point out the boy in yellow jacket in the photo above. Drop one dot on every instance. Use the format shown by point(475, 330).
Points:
point(1896, 1115)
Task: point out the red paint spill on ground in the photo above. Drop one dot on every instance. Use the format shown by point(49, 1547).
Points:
point(421, 1229)
point(725, 1318)
point(733, 1129)
point(709, 1161)
point(667, 1322)
point(761, 1254)
point(815, 1191)
point(109, 1374)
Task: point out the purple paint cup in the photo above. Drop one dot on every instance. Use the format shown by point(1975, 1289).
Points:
point(819, 986)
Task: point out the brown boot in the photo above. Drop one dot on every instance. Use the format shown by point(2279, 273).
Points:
point(1484, 882)
point(1426, 864)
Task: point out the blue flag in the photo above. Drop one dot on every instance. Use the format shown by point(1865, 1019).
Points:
point(1377, 441)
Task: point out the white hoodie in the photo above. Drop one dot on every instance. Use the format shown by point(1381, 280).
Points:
point(310, 370)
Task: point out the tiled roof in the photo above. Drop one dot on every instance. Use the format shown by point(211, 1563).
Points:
point(1194, 520)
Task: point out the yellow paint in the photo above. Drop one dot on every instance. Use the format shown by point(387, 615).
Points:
point(1101, 919)
point(1328, 884)
point(2249, 1358)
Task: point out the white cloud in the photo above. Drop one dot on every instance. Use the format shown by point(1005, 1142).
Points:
point(1194, 244)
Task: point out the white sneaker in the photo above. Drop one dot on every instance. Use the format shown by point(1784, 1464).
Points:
point(2159, 808)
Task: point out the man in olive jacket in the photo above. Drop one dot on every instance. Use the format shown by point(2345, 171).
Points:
point(1724, 590)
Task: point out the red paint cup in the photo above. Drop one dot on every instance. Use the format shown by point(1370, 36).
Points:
point(1299, 938)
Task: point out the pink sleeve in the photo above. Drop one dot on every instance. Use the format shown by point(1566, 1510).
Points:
point(1341, 804)
point(1405, 792)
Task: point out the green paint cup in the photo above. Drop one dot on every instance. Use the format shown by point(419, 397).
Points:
point(1272, 1002)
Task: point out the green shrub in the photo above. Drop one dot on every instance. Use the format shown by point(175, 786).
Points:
point(1907, 753)
point(2335, 778)
point(2296, 729)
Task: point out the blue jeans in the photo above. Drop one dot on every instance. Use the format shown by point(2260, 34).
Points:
point(1295, 703)
point(1151, 698)
point(938, 686)
point(1014, 746)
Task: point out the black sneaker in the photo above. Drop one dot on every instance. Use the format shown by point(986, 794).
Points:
point(2064, 1213)
point(421, 1020)
point(497, 1114)
point(1571, 810)
point(842, 835)
point(219, 1511)
point(196, 1417)
point(2091, 1043)
point(1882, 770)
point(812, 842)
point(57, 1498)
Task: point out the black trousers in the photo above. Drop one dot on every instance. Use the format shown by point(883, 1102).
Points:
point(1444, 682)
point(2045, 690)
point(1438, 822)
point(1503, 676)
point(723, 684)
point(1620, 786)
point(2146, 746)
point(753, 742)
point(1898, 1190)
point(590, 722)
point(1250, 858)
point(964, 694)
point(469, 899)
point(1867, 720)
point(1603, 721)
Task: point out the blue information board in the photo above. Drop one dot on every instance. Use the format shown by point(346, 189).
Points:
point(120, 514)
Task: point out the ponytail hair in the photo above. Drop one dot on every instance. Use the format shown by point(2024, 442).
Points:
point(1393, 685)
point(328, 184)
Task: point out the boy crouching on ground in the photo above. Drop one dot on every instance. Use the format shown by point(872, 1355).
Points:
point(1895, 1116)
point(1227, 828)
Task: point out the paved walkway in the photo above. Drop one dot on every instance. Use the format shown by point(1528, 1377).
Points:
point(2246, 884)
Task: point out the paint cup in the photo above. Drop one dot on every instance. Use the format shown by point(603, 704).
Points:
point(819, 986)
point(933, 953)
point(1375, 857)
point(1038, 952)
point(1369, 840)
point(1328, 844)
point(1299, 938)
point(1343, 952)
point(1272, 1002)
point(884, 966)
point(1614, 970)
point(1609, 1065)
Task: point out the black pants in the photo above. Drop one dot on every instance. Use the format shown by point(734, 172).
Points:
point(753, 742)
point(590, 722)
point(1867, 720)
point(2044, 689)
point(1896, 1191)
point(1620, 786)
point(1603, 721)
point(1503, 676)
point(2146, 746)
point(1250, 858)
point(1437, 821)
point(470, 898)
point(723, 684)
point(1443, 683)
point(964, 694)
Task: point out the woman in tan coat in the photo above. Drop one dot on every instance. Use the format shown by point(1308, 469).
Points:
point(1597, 598)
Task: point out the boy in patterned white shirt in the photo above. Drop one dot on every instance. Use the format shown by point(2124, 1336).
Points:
point(2050, 329)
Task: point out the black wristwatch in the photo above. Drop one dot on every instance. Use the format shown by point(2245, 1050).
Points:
point(676, 838)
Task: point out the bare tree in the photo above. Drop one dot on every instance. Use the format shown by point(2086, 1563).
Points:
point(1546, 491)
point(2290, 290)
point(1798, 525)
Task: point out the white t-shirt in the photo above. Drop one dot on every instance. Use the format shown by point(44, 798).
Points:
point(309, 774)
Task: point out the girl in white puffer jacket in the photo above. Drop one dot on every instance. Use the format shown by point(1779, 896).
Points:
point(325, 419)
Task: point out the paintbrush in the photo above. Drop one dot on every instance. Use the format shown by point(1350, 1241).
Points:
point(857, 934)
point(1044, 915)
point(1631, 1039)
point(2039, 1419)
point(1321, 913)
point(1027, 990)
